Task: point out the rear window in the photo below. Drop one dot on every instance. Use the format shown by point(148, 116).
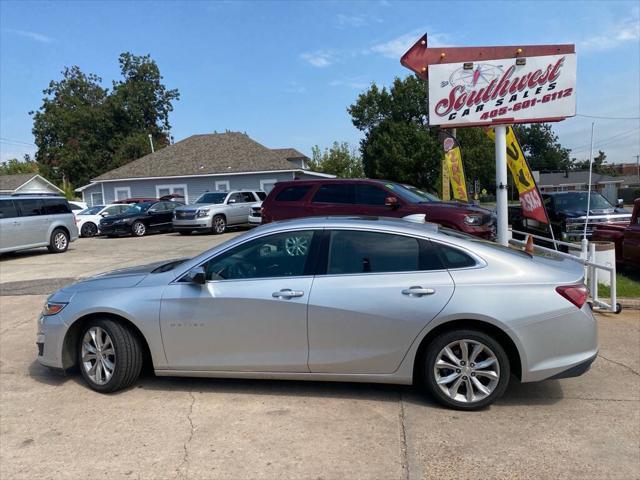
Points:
point(55, 206)
point(7, 209)
point(454, 258)
point(334, 193)
point(293, 193)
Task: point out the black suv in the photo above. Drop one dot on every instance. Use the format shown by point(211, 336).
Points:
point(141, 219)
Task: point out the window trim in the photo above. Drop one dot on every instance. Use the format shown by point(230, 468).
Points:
point(96, 203)
point(117, 189)
point(219, 183)
point(268, 180)
point(351, 191)
point(171, 187)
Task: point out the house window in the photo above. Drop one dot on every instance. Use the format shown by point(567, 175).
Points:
point(267, 184)
point(222, 186)
point(121, 193)
point(179, 191)
point(96, 198)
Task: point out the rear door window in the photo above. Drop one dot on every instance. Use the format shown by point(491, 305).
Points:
point(30, 207)
point(7, 209)
point(293, 193)
point(248, 197)
point(370, 195)
point(334, 193)
point(261, 195)
point(455, 258)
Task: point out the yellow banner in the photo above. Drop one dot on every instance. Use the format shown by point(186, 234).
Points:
point(453, 158)
point(530, 200)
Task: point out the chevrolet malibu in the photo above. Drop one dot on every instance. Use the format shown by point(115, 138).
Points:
point(340, 299)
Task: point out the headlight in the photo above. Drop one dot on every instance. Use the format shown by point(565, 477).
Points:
point(473, 219)
point(51, 308)
point(203, 212)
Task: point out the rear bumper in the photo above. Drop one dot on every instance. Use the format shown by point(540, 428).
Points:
point(558, 347)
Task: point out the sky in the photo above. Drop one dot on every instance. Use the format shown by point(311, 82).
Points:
point(285, 72)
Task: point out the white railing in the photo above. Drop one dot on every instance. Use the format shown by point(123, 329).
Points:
point(587, 259)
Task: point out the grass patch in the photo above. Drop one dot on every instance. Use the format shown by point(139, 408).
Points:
point(628, 284)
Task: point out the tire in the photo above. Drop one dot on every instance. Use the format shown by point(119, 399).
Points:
point(59, 241)
point(457, 396)
point(89, 229)
point(218, 225)
point(185, 232)
point(138, 229)
point(125, 359)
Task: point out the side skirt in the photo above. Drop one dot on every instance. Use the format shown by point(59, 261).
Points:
point(313, 377)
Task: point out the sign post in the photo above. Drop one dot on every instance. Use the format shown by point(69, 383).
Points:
point(501, 185)
point(496, 87)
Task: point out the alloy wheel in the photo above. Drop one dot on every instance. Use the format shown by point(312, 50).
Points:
point(219, 225)
point(98, 355)
point(139, 229)
point(89, 229)
point(467, 371)
point(60, 241)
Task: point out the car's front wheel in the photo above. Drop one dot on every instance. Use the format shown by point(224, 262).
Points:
point(219, 224)
point(466, 369)
point(89, 229)
point(139, 229)
point(109, 355)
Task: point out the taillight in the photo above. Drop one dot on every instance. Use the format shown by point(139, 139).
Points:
point(576, 294)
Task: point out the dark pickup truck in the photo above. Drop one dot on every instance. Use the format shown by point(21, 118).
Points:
point(568, 213)
point(626, 239)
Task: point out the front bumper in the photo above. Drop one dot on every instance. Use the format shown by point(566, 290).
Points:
point(197, 224)
point(51, 332)
point(255, 220)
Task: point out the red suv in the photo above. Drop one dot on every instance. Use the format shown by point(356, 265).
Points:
point(311, 198)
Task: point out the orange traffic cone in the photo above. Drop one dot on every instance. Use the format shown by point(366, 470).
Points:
point(529, 245)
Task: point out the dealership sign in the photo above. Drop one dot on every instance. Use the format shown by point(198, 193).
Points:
point(513, 90)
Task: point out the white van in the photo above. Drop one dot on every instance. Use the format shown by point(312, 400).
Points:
point(36, 221)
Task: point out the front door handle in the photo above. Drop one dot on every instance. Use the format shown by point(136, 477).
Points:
point(418, 291)
point(287, 293)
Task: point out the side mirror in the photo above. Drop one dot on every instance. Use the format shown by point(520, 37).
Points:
point(620, 203)
point(391, 202)
point(197, 275)
point(104, 214)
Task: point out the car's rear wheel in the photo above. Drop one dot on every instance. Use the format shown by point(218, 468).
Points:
point(89, 229)
point(59, 241)
point(466, 369)
point(219, 224)
point(139, 229)
point(109, 355)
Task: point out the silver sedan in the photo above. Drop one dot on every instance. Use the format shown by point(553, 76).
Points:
point(339, 299)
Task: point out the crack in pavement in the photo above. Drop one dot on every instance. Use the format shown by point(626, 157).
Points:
point(185, 459)
point(403, 441)
point(620, 364)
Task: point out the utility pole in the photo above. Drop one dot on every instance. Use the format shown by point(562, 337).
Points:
point(151, 143)
point(584, 237)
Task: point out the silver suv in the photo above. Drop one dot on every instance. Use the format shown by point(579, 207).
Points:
point(36, 221)
point(215, 211)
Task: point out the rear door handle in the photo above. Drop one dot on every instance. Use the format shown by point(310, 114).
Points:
point(418, 291)
point(287, 293)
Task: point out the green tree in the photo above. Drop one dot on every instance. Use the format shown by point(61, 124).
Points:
point(340, 160)
point(82, 129)
point(14, 166)
point(542, 148)
point(600, 165)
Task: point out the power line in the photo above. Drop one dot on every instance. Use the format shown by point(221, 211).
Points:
point(607, 118)
point(16, 142)
point(605, 141)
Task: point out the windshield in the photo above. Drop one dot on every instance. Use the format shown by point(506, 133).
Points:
point(411, 194)
point(217, 197)
point(578, 201)
point(91, 210)
point(138, 208)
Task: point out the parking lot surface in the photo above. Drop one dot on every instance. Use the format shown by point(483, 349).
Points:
point(52, 426)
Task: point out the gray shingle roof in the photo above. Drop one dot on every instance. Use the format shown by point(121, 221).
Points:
point(579, 176)
point(11, 182)
point(230, 152)
point(289, 153)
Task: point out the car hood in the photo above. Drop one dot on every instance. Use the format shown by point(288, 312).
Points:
point(195, 206)
point(458, 206)
point(121, 278)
